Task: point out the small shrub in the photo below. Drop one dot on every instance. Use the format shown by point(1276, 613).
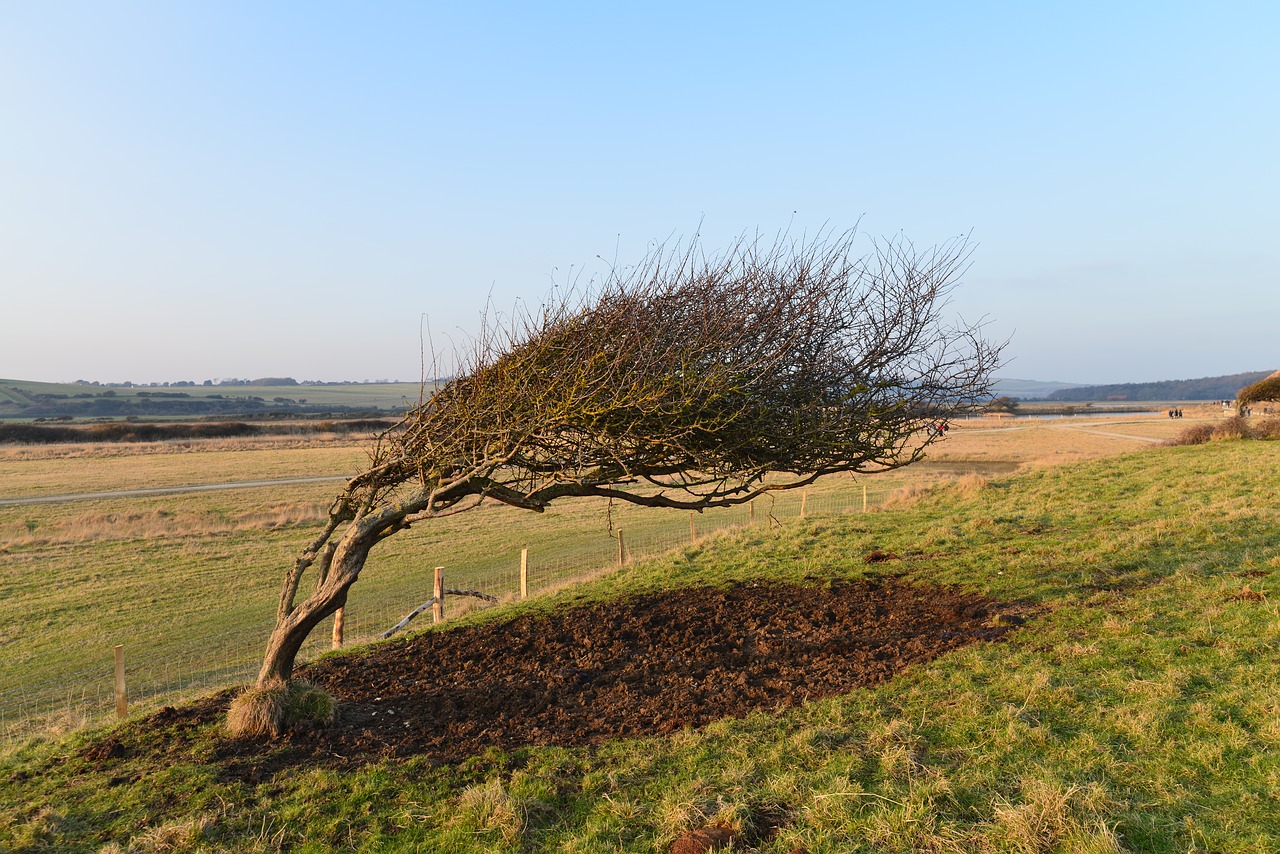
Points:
point(1196, 434)
point(1232, 428)
point(1268, 428)
point(279, 708)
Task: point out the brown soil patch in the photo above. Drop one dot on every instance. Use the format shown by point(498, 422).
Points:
point(702, 840)
point(640, 666)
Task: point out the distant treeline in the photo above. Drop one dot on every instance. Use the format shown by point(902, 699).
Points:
point(1205, 388)
point(233, 381)
point(153, 403)
point(118, 431)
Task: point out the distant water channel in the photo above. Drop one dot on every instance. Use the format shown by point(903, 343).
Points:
point(1094, 413)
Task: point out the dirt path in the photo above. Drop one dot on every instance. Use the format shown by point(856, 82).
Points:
point(1108, 433)
point(1089, 427)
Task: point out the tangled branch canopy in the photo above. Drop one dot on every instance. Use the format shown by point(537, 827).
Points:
point(688, 381)
point(696, 378)
point(1267, 388)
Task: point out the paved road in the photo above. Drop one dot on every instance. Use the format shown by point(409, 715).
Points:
point(164, 490)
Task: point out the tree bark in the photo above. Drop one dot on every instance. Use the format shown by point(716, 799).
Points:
point(292, 630)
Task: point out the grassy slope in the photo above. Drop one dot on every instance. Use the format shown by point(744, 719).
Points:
point(1140, 711)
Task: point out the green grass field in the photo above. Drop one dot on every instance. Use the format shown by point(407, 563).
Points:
point(1138, 711)
point(393, 396)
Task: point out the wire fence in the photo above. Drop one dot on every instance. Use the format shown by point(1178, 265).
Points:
point(164, 672)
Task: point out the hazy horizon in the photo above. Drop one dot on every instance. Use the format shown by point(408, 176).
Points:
point(240, 382)
point(206, 190)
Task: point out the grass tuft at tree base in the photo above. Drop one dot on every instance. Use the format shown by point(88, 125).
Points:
point(279, 708)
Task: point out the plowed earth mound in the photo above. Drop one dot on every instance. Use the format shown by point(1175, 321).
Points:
point(639, 666)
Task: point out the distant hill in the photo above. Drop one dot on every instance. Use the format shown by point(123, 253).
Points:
point(1028, 389)
point(27, 400)
point(1204, 388)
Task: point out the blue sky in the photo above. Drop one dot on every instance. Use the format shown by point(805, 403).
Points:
point(194, 190)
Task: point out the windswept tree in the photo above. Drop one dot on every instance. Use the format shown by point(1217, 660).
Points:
point(1265, 389)
point(690, 381)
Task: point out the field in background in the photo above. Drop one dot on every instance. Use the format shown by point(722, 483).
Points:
point(188, 582)
point(23, 401)
point(362, 395)
point(1136, 710)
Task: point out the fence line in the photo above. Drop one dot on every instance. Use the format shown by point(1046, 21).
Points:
point(191, 668)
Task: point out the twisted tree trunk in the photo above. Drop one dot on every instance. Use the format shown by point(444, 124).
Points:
point(295, 624)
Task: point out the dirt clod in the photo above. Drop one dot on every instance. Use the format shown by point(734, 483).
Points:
point(702, 840)
point(107, 749)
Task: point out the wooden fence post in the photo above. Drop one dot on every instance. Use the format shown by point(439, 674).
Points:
point(622, 549)
point(339, 617)
point(524, 573)
point(122, 694)
point(864, 498)
point(751, 512)
point(693, 530)
point(437, 608)
point(804, 499)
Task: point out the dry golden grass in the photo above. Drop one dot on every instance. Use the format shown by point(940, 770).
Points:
point(1051, 817)
point(31, 471)
point(99, 450)
point(1040, 442)
point(95, 525)
point(488, 809)
point(971, 484)
point(905, 495)
point(177, 836)
point(257, 712)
